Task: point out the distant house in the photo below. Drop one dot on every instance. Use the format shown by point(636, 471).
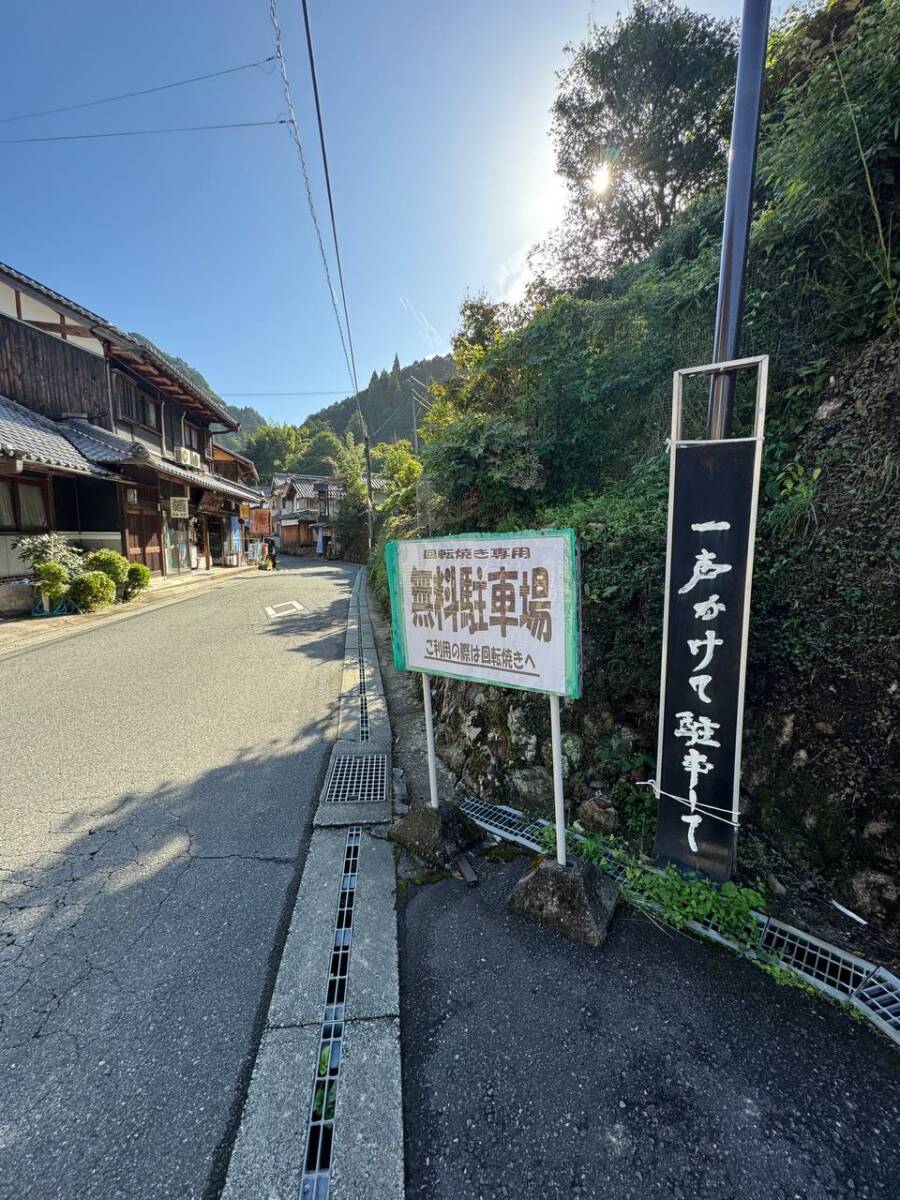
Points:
point(103, 439)
point(304, 508)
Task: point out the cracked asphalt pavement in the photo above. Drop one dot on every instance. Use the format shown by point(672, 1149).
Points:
point(156, 797)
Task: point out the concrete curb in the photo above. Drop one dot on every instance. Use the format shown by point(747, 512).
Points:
point(367, 1162)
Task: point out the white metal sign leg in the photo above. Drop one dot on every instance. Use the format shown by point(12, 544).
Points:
point(429, 737)
point(558, 802)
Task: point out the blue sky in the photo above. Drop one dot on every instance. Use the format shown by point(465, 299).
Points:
point(436, 116)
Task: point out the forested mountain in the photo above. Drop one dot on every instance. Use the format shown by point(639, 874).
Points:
point(387, 402)
point(250, 420)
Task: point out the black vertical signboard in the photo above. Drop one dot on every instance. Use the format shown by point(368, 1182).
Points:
point(712, 510)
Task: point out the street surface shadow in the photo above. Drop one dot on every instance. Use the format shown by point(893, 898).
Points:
point(139, 937)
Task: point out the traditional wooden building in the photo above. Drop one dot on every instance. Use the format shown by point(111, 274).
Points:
point(304, 508)
point(141, 427)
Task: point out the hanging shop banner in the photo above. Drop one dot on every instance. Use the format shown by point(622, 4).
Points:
point(712, 517)
point(260, 521)
point(499, 608)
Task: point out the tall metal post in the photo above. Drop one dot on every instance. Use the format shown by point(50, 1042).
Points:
point(370, 511)
point(738, 202)
point(429, 739)
point(559, 805)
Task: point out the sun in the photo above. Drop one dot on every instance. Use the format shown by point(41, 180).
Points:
point(600, 179)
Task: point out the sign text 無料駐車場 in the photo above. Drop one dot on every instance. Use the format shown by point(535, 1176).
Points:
point(493, 608)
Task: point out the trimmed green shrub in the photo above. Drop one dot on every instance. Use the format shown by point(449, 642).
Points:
point(137, 579)
point(111, 563)
point(37, 548)
point(93, 589)
point(52, 581)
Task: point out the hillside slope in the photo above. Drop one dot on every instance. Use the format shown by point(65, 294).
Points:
point(387, 402)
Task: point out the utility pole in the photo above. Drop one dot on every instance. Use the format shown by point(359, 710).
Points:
point(370, 511)
point(738, 205)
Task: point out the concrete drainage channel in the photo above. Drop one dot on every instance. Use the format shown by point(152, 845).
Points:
point(324, 1113)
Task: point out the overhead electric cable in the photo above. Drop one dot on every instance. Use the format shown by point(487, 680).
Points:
point(295, 134)
point(162, 87)
point(341, 392)
point(80, 137)
point(390, 418)
point(337, 252)
point(337, 255)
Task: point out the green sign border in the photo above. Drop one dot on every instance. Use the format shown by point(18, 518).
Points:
point(571, 605)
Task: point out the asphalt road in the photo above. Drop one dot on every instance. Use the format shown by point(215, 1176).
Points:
point(156, 795)
point(657, 1068)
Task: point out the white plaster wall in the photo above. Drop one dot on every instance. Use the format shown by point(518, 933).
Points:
point(11, 563)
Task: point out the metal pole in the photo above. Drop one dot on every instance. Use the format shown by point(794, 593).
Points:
point(751, 71)
point(370, 513)
point(429, 737)
point(559, 810)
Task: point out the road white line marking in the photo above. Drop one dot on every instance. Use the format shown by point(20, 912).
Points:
point(286, 609)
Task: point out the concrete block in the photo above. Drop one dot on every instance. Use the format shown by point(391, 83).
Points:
point(299, 994)
point(373, 990)
point(577, 900)
point(267, 1160)
point(330, 815)
point(368, 1145)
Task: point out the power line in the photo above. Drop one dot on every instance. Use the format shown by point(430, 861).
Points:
point(80, 137)
point(337, 252)
point(337, 255)
point(162, 87)
point(341, 392)
point(295, 134)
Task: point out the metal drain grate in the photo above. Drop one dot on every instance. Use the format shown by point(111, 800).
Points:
point(357, 778)
point(506, 822)
point(320, 1127)
point(832, 969)
point(879, 999)
point(870, 988)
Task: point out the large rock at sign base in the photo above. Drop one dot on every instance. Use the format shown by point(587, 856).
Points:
point(436, 834)
point(597, 817)
point(577, 899)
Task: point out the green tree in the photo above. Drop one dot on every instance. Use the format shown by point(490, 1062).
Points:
point(640, 124)
point(274, 448)
point(316, 457)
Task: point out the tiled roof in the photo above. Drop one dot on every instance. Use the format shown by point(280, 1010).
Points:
point(212, 483)
point(99, 445)
point(305, 485)
point(27, 435)
point(102, 446)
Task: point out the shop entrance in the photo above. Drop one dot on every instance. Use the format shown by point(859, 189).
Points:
point(176, 547)
point(216, 543)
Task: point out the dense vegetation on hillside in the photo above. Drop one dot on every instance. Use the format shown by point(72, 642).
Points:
point(559, 409)
point(387, 401)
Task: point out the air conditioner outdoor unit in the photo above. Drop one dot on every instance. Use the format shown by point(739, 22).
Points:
point(195, 459)
point(184, 456)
